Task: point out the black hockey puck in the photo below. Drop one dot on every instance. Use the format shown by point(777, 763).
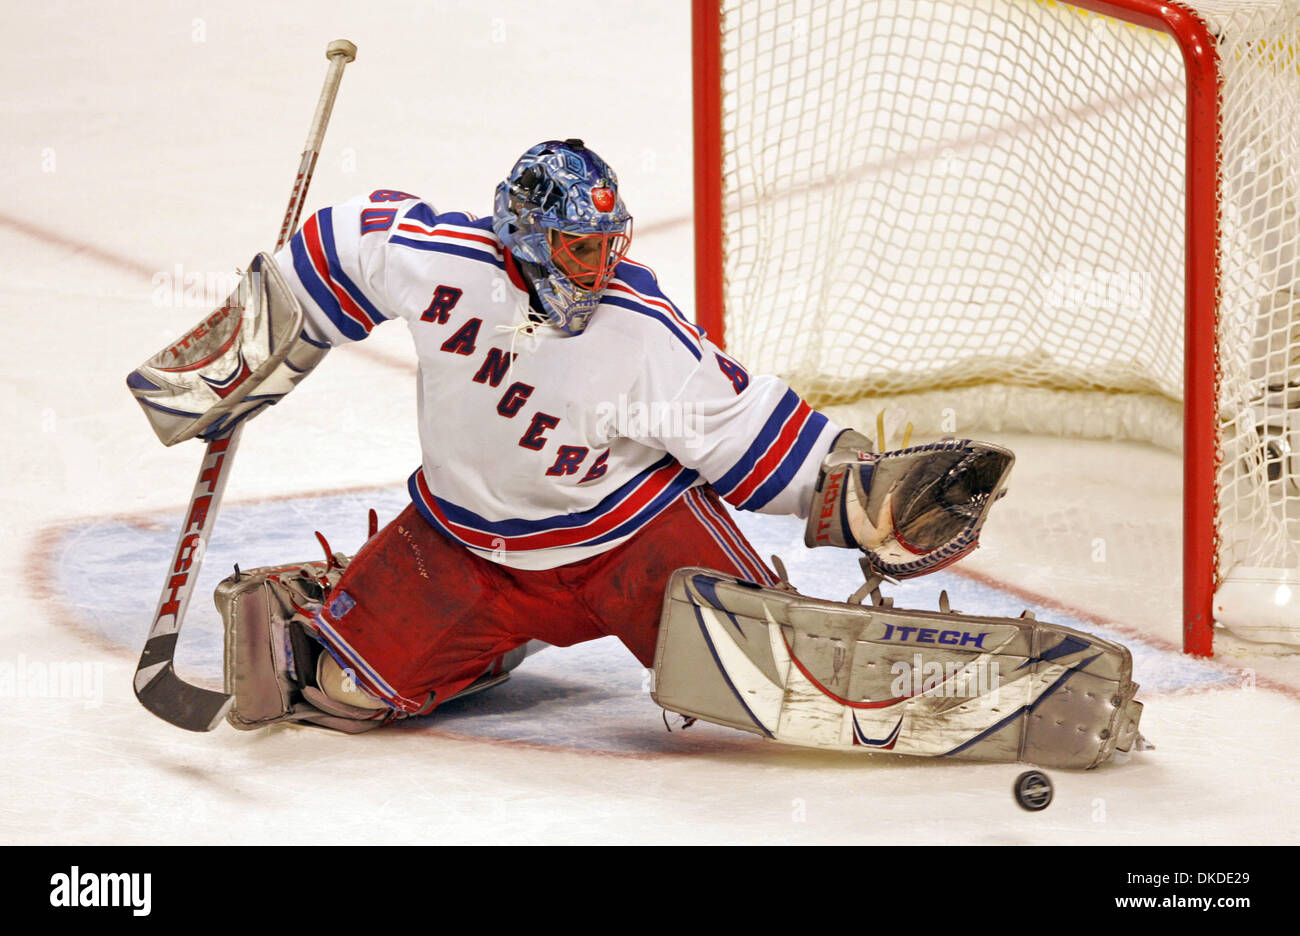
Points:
point(1033, 790)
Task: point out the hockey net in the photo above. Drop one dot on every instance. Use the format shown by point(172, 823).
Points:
point(1025, 215)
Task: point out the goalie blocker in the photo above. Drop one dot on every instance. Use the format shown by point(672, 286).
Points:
point(845, 676)
point(243, 357)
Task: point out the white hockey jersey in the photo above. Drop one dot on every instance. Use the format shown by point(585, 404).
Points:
point(542, 448)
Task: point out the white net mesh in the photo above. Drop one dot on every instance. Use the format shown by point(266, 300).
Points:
point(975, 208)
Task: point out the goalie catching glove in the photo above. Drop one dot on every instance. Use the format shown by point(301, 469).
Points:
point(911, 511)
point(242, 358)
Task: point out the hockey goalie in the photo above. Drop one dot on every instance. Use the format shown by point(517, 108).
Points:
point(537, 518)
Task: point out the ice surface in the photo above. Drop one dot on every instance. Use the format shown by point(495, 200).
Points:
point(143, 137)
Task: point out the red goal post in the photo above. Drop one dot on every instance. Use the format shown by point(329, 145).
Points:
point(725, 191)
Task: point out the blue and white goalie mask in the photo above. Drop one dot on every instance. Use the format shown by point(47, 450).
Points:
point(560, 215)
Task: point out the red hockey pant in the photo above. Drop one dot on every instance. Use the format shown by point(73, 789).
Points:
point(418, 617)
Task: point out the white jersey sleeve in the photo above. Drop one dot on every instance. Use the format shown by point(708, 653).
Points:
point(344, 268)
point(751, 436)
point(759, 444)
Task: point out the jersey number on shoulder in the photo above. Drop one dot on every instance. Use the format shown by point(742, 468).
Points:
point(381, 219)
point(377, 219)
point(733, 372)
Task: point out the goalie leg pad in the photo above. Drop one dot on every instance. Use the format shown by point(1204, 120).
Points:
point(939, 684)
point(278, 671)
point(271, 655)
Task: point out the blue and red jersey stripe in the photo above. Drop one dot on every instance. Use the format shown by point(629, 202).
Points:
point(775, 456)
point(729, 539)
point(619, 514)
point(316, 262)
point(455, 233)
point(635, 288)
point(362, 672)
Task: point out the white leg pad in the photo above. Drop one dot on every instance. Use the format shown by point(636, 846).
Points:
point(874, 678)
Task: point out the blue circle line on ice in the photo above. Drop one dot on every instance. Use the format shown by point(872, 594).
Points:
point(594, 697)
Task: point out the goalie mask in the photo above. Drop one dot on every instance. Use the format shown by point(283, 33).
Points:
point(559, 214)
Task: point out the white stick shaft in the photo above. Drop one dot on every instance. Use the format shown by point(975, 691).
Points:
point(315, 136)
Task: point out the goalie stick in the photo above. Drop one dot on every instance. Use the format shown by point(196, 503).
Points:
point(157, 686)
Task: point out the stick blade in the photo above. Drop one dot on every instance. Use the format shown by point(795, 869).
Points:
point(181, 704)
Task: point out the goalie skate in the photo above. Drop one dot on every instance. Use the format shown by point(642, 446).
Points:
point(937, 684)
